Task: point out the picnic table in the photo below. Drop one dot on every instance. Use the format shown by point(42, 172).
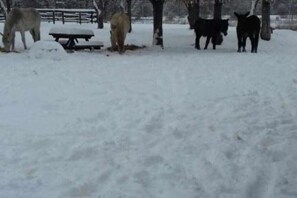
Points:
point(69, 38)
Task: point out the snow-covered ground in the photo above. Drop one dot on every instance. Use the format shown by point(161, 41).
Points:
point(151, 123)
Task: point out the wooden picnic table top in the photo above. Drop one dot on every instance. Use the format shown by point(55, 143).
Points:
point(67, 10)
point(62, 32)
point(73, 34)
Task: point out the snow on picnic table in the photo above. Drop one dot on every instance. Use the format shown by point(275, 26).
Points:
point(150, 123)
point(63, 30)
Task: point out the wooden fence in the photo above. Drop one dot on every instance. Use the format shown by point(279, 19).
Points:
point(68, 15)
point(64, 15)
point(2, 17)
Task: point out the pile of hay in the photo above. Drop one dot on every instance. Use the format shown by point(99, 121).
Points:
point(129, 47)
point(2, 49)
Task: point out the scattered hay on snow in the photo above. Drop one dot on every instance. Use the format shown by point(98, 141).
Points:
point(2, 49)
point(131, 47)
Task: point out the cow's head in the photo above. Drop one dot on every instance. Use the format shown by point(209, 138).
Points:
point(241, 18)
point(224, 26)
point(6, 40)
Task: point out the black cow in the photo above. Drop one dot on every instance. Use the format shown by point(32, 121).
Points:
point(247, 27)
point(211, 28)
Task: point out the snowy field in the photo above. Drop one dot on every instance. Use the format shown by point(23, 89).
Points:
point(152, 123)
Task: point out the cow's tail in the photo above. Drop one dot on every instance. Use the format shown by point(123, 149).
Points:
point(120, 39)
point(257, 39)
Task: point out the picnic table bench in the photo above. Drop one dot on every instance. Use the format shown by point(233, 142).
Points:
point(69, 38)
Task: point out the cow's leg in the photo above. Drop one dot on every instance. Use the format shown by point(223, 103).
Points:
point(12, 41)
point(239, 43)
point(252, 39)
point(32, 32)
point(113, 41)
point(252, 44)
point(256, 41)
point(244, 44)
point(121, 46)
point(197, 42)
point(23, 39)
point(207, 42)
point(214, 41)
point(37, 33)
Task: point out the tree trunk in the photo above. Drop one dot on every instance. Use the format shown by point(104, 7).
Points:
point(100, 21)
point(2, 6)
point(129, 13)
point(193, 10)
point(8, 5)
point(217, 12)
point(86, 4)
point(254, 6)
point(266, 30)
point(158, 21)
point(100, 10)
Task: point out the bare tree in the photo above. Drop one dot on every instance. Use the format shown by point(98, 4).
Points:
point(254, 6)
point(2, 6)
point(266, 30)
point(129, 5)
point(193, 7)
point(101, 7)
point(218, 7)
point(8, 5)
point(292, 8)
point(158, 21)
point(217, 11)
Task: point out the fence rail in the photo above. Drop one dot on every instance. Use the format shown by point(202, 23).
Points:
point(65, 15)
point(68, 15)
point(2, 17)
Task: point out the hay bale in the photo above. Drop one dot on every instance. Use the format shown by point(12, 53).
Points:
point(2, 49)
point(131, 47)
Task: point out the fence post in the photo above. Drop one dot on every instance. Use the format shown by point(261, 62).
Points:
point(79, 17)
point(54, 17)
point(63, 17)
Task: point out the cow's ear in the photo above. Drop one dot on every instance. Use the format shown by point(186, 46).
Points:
point(247, 14)
point(236, 14)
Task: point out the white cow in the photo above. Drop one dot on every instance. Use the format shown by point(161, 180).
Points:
point(21, 20)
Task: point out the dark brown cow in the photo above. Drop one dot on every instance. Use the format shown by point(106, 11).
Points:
point(211, 28)
point(247, 26)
